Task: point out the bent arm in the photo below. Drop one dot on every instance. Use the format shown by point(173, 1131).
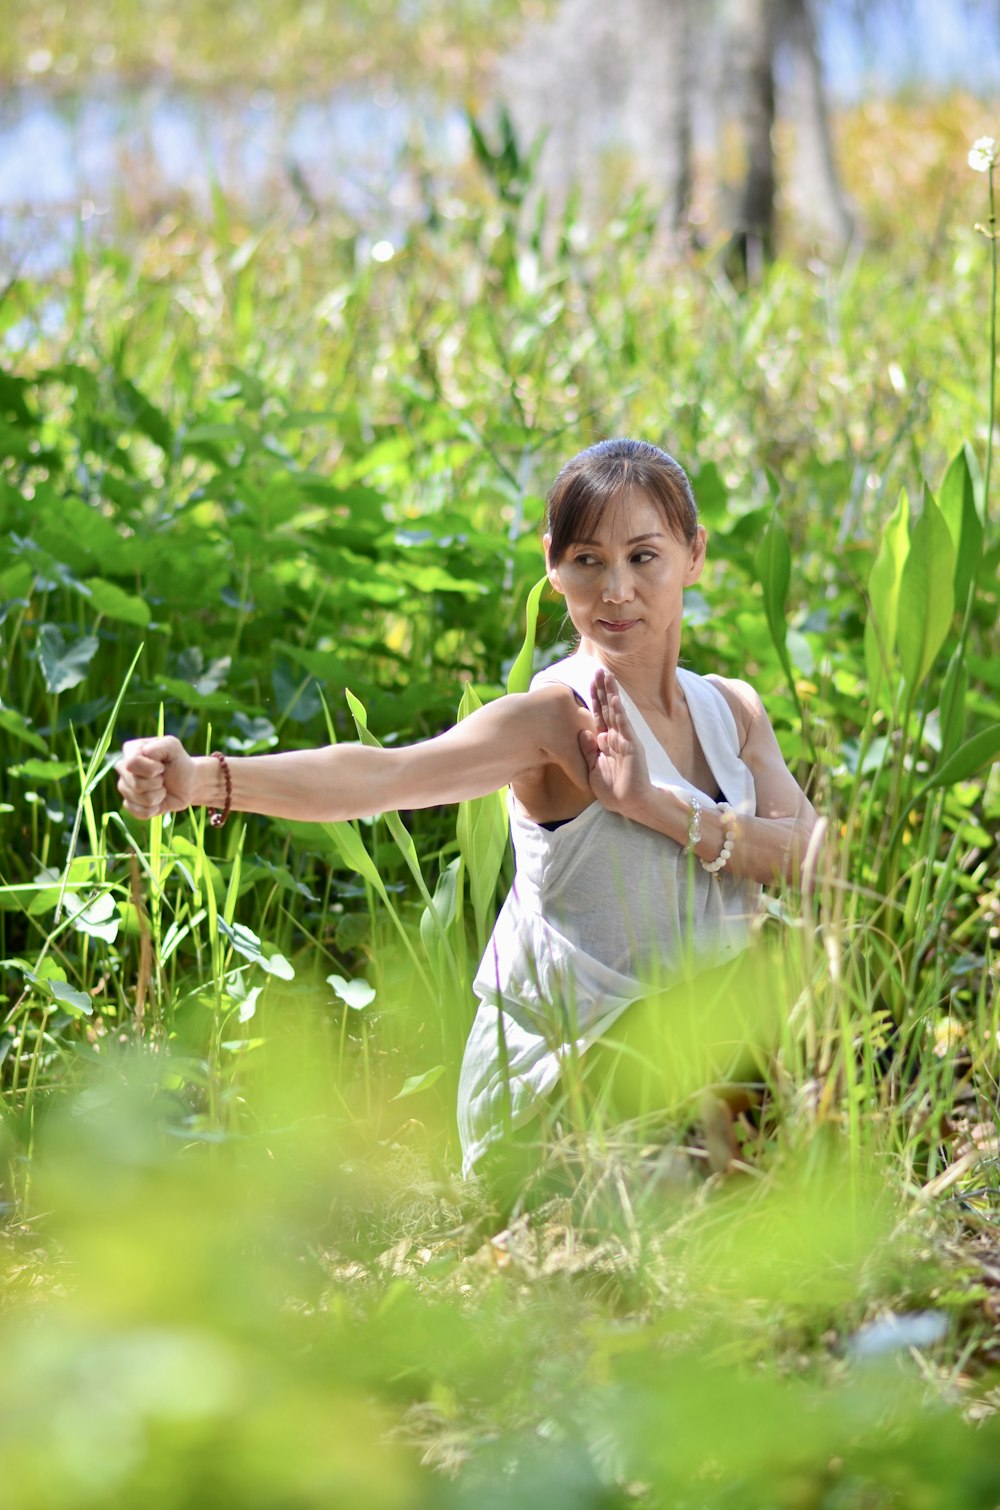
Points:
point(485, 751)
point(769, 847)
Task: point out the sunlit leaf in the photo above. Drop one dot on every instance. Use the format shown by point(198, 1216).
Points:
point(64, 663)
point(883, 599)
point(519, 677)
point(246, 942)
point(773, 565)
point(926, 593)
point(357, 993)
point(957, 501)
point(99, 918)
point(482, 829)
point(76, 1003)
point(969, 759)
point(112, 602)
point(422, 1082)
point(42, 770)
point(15, 723)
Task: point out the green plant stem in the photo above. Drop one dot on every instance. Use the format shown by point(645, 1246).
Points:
point(992, 233)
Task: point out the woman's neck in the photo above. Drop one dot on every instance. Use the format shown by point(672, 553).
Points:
point(652, 684)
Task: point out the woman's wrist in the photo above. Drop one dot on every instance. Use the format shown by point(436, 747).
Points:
point(209, 783)
point(665, 809)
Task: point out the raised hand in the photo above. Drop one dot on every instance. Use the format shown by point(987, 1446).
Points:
point(156, 776)
point(619, 776)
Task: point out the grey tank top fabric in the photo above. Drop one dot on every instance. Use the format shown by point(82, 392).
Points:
point(601, 909)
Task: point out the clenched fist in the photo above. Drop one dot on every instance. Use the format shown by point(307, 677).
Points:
point(157, 776)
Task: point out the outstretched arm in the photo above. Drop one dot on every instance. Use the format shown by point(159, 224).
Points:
point(495, 745)
point(769, 847)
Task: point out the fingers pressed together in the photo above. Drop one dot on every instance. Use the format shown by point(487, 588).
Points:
point(141, 780)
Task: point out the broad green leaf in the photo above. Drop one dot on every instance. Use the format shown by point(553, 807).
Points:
point(981, 750)
point(246, 942)
point(13, 400)
point(77, 1003)
point(113, 602)
point(64, 664)
point(440, 914)
point(53, 982)
point(354, 854)
point(357, 993)
point(481, 829)
point(436, 579)
point(80, 534)
point(99, 918)
point(16, 724)
point(422, 1082)
point(197, 862)
point(957, 501)
point(883, 600)
point(952, 702)
point(42, 770)
point(144, 416)
point(519, 679)
point(926, 594)
point(773, 565)
point(360, 715)
point(394, 823)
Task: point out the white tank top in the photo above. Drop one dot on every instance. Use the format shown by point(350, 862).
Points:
point(601, 909)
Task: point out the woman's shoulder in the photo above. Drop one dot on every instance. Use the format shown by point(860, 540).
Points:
point(743, 702)
point(575, 672)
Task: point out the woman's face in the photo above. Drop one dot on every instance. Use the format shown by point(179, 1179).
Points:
point(623, 586)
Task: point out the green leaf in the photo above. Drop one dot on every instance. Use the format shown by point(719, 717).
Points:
point(246, 942)
point(519, 679)
point(952, 702)
point(64, 665)
point(982, 749)
point(13, 401)
point(420, 1082)
point(481, 829)
point(15, 723)
point(393, 822)
point(439, 915)
point(883, 599)
point(113, 602)
point(354, 855)
point(42, 770)
point(773, 565)
point(98, 918)
point(357, 993)
point(957, 500)
point(926, 594)
point(76, 1003)
point(144, 416)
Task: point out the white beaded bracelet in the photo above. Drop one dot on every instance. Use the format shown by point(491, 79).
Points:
point(728, 841)
point(694, 825)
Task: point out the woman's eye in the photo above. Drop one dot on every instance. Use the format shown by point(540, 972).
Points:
point(641, 557)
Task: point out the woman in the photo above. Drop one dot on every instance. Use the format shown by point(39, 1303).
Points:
point(648, 804)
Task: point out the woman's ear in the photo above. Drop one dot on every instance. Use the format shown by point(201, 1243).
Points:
point(552, 572)
point(696, 561)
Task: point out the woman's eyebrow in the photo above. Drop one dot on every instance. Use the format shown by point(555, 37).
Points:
point(634, 539)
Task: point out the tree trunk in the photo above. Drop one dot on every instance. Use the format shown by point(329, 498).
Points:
point(748, 185)
point(815, 189)
point(658, 106)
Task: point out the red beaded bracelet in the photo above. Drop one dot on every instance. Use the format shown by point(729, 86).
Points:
point(215, 817)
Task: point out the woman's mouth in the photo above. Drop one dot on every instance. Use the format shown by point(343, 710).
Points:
point(617, 626)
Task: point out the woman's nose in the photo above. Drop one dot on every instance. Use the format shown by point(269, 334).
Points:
point(618, 586)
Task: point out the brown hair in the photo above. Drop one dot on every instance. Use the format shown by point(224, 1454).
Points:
point(604, 474)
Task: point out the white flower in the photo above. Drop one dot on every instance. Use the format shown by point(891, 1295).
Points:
point(983, 154)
